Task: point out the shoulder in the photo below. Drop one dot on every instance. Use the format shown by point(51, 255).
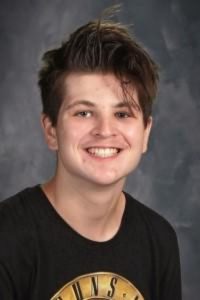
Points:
point(15, 208)
point(17, 233)
point(157, 228)
point(15, 221)
point(17, 236)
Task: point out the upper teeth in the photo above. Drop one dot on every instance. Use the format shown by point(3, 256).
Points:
point(103, 152)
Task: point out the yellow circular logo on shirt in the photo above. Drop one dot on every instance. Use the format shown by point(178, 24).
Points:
point(98, 286)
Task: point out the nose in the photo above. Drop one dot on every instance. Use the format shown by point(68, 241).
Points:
point(104, 127)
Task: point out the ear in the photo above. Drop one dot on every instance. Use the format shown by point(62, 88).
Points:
point(147, 134)
point(49, 132)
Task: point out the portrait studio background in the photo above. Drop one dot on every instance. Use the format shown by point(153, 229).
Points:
point(169, 175)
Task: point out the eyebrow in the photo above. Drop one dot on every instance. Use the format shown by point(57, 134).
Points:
point(91, 104)
point(80, 102)
point(122, 104)
point(128, 105)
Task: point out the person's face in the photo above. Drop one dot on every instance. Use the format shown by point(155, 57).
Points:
point(97, 138)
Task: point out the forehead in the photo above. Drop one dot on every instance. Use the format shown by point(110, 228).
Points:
point(95, 85)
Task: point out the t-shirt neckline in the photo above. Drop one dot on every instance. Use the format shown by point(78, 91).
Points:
point(76, 236)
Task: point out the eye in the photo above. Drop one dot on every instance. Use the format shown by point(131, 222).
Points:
point(123, 114)
point(84, 114)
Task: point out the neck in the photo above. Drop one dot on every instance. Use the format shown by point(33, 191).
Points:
point(93, 211)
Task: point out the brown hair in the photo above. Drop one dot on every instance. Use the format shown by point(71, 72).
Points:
point(99, 46)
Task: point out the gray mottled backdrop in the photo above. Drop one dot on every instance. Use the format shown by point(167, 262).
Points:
point(168, 178)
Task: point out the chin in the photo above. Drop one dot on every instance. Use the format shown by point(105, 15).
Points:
point(105, 182)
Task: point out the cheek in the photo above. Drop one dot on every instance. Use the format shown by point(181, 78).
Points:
point(69, 136)
point(135, 135)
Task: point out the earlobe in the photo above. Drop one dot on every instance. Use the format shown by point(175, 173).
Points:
point(147, 134)
point(49, 132)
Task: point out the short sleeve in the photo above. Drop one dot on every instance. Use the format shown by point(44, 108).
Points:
point(15, 254)
point(170, 283)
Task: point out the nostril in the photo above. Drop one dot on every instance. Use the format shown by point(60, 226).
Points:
point(104, 130)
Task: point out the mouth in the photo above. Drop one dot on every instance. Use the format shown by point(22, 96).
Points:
point(103, 152)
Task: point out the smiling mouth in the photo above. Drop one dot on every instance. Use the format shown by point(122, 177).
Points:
point(103, 152)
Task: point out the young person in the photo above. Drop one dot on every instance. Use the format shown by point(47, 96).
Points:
point(80, 236)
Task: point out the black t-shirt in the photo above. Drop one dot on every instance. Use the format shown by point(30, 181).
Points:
point(40, 254)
